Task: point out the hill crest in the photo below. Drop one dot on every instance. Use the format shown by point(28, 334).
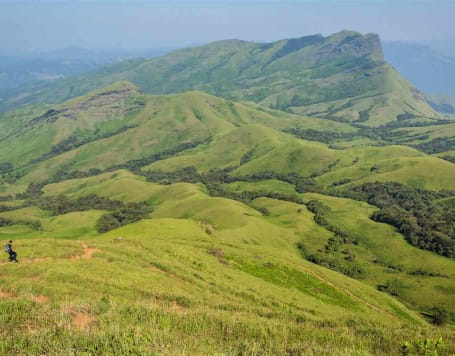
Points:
point(342, 77)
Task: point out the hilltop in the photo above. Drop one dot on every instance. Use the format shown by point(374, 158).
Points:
point(342, 77)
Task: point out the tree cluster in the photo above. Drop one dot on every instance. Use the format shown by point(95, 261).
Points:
point(33, 224)
point(61, 204)
point(415, 213)
point(122, 215)
point(330, 256)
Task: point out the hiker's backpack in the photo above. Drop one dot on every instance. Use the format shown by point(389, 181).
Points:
point(7, 248)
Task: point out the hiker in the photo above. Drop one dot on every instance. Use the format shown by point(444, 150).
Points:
point(9, 250)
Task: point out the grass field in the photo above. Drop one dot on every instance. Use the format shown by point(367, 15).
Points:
point(421, 172)
point(205, 272)
point(246, 228)
point(167, 286)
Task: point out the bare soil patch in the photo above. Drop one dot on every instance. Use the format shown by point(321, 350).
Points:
point(83, 320)
point(40, 299)
point(4, 295)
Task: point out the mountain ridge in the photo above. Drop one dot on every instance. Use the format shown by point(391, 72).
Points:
point(346, 70)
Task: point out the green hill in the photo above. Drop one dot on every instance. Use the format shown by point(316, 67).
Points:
point(217, 272)
point(192, 224)
point(91, 132)
point(343, 77)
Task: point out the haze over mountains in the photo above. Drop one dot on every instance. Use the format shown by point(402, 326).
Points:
point(429, 69)
point(20, 71)
point(234, 198)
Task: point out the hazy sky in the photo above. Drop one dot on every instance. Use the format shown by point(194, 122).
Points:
point(45, 25)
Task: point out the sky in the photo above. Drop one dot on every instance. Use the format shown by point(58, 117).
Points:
point(43, 25)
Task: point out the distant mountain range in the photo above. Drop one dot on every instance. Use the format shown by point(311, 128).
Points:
point(21, 71)
point(426, 67)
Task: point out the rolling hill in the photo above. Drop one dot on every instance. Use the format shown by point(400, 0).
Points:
point(92, 131)
point(211, 269)
point(165, 133)
point(181, 222)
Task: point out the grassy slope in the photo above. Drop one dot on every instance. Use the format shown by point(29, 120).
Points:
point(395, 258)
point(158, 289)
point(439, 138)
point(30, 136)
point(394, 96)
point(391, 164)
point(270, 185)
point(71, 225)
point(232, 255)
point(268, 148)
point(245, 228)
point(165, 122)
point(358, 165)
point(282, 153)
point(159, 124)
point(224, 282)
point(416, 135)
point(382, 253)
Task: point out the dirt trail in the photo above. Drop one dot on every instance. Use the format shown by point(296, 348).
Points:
point(88, 252)
point(40, 299)
point(176, 307)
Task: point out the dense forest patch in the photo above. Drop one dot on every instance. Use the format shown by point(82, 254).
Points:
point(414, 212)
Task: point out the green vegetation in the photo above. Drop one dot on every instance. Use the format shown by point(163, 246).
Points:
point(154, 285)
point(341, 77)
point(122, 215)
point(193, 224)
point(385, 259)
point(414, 213)
point(336, 245)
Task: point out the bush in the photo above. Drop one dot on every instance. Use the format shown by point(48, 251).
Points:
point(439, 316)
